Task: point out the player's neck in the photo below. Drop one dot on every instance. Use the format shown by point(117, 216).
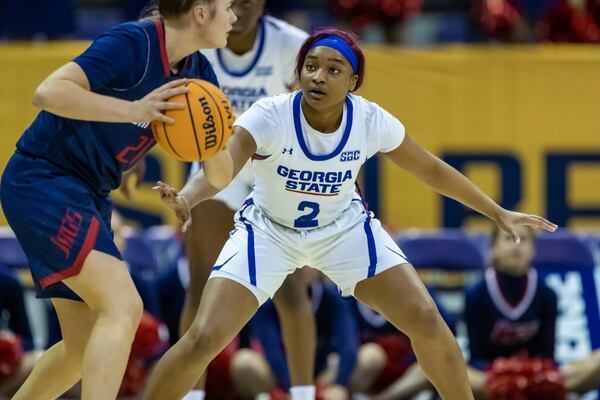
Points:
point(241, 43)
point(180, 42)
point(325, 120)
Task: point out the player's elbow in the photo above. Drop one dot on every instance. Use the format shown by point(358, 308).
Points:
point(41, 96)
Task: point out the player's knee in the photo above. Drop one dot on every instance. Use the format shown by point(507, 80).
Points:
point(73, 351)
point(371, 357)
point(134, 309)
point(425, 318)
point(127, 312)
point(203, 340)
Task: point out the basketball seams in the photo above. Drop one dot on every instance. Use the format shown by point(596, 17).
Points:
point(189, 106)
point(169, 141)
point(218, 107)
point(202, 96)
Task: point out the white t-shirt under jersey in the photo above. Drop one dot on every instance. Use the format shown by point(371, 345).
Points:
point(305, 178)
point(266, 70)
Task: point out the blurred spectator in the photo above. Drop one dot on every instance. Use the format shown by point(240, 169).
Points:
point(511, 313)
point(17, 355)
point(388, 14)
point(526, 21)
point(337, 345)
point(36, 19)
point(386, 368)
point(572, 21)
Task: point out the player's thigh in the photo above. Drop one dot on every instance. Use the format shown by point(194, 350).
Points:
point(362, 252)
point(255, 259)
point(401, 297)
point(105, 285)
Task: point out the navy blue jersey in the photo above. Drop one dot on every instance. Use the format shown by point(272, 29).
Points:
point(336, 333)
point(507, 315)
point(126, 62)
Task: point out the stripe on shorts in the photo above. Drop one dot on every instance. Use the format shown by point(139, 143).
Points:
point(371, 247)
point(251, 255)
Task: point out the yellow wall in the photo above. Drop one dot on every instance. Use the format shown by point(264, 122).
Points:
point(524, 101)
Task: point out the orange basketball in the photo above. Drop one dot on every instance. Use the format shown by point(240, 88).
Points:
point(202, 128)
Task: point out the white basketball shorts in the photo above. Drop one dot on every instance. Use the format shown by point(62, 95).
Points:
point(260, 253)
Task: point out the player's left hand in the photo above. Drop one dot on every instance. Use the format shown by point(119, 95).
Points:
point(172, 199)
point(335, 392)
point(508, 220)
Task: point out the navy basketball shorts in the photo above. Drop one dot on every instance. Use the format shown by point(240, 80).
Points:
point(58, 220)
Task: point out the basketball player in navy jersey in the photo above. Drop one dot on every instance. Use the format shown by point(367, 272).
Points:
point(308, 147)
point(511, 311)
point(55, 188)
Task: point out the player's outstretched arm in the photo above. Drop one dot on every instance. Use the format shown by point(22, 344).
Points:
point(446, 180)
point(226, 164)
point(222, 168)
point(66, 92)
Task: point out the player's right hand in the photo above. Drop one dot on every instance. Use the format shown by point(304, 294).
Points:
point(150, 108)
point(172, 199)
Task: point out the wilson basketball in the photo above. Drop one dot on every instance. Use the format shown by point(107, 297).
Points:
point(202, 128)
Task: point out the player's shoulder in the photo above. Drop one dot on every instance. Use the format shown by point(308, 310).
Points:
point(200, 58)
point(133, 29)
point(278, 103)
point(284, 29)
point(202, 68)
point(365, 108)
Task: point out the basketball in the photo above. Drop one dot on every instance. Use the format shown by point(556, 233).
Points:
point(201, 129)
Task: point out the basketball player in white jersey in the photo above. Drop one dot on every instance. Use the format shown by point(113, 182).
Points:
point(307, 148)
point(258, 62)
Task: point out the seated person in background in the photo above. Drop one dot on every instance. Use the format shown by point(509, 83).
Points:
point(17, 354)
point(255, 374)
point(512, 312)
point(386, 368)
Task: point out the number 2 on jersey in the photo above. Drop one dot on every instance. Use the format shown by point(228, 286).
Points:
point(307, 220)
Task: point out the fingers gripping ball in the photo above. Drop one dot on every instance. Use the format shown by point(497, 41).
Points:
point(201, 128)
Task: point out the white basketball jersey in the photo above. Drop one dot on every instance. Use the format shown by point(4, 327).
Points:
point(266, 70)
point(305, 179)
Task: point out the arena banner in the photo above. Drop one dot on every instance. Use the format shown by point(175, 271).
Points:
point(520, 121)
